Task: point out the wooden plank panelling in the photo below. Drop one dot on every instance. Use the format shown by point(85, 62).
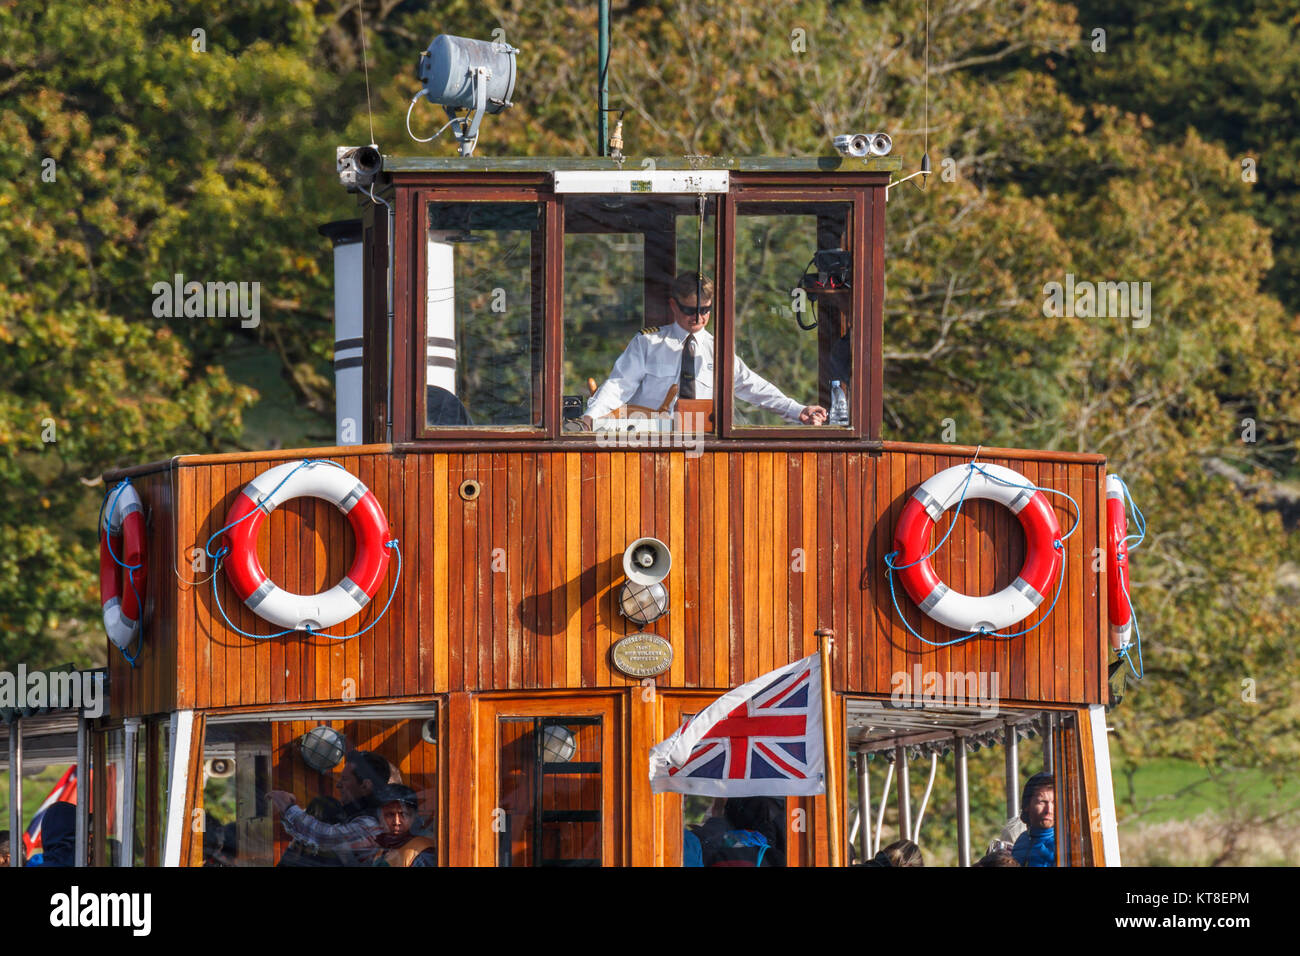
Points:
point(518, 588)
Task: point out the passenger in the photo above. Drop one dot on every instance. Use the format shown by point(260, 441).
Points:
point(353, 842)
point(659, 358)
point(750, 832)
point(997, 856)
point(1037, 845)
point(58, 836)
point(898, 853)
point(326, 810)
point(399, 807)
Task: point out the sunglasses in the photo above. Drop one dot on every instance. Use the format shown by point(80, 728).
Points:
point(693, 310)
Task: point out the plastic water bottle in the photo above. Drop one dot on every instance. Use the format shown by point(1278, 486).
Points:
point(839, 405)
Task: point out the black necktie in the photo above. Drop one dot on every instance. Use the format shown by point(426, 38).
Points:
point(686, 384)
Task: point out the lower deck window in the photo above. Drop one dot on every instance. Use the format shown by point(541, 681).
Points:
point(320, 792)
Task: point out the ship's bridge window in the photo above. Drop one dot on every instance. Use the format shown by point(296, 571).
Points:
point(630, 262)
point(794, 313)
point(485, 307)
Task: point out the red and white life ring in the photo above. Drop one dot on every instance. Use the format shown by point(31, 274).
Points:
point(318, 479)
point(121, 591)
point(1043, 551)
point(1121, 611)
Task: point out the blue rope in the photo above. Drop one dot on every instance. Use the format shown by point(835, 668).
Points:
point(891, 567)
point(309, 629)
point(129, 568)
point(1139, 520)
point(219, 555)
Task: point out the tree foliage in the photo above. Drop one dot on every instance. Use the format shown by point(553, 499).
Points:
point(1049, 160)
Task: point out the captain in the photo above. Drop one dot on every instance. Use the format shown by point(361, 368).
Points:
point(682, 354)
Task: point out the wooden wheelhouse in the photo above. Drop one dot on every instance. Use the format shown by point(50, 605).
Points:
point(490, 683)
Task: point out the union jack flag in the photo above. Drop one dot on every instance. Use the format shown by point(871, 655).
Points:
point(65, 791)
point(762, 739)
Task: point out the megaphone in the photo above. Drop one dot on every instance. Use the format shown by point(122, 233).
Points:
point(220, 767)
point(647, 561)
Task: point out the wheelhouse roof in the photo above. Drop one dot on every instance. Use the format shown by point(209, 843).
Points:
point(541, 164)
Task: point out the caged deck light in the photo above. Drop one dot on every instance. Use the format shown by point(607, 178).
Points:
point(322, 748)
point(463, 74)
point(558, 744)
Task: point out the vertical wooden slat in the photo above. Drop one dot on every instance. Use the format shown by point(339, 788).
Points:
point(622, 471)
point(487, 501)
point(692, 564)
point(839, 575)
point(780, 562)
point(673, 465)
point(542, 547)
point(1077, 565)
point(423, 581)
point(559, 588)
point(441, 533)
point(456, 574)
point(605, 564)
point(470, 561)
point(761, 517)
point(812, 556)
point(506, 537)
point(723, 592)
point(592, 560)
point(403, 487)
point(576, 571)
point(515, 594)
point(794, 490)
point(1099, 642)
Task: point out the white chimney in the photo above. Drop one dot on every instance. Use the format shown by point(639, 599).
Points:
point(348, 308)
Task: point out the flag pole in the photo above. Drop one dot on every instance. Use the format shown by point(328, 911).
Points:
point(827, 637)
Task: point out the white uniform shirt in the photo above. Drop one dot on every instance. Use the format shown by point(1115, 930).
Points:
point(652, 363)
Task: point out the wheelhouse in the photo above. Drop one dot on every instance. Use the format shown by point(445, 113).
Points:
point(481, 304)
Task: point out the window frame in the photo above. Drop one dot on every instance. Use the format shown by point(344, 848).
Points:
point(410, 315)
point(862, 235)
point(549, 296)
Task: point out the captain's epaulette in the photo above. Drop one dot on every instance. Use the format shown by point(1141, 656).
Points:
point(650, 330)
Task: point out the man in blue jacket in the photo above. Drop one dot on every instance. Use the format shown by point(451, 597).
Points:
point(1037, 845)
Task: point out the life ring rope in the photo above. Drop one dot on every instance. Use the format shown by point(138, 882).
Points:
point(891, 567)
point(218, 558)
point(216, 596)
point(1132, 542)
point(130, 569)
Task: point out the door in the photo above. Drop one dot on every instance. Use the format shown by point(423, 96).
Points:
point(552, 772)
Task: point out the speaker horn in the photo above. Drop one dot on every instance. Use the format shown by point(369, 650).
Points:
point(220, 767)
point(647, 561)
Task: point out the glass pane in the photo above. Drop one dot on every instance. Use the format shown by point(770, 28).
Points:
point(162, 736)
point(550, 791)
point(115, 790)
point(630, 270)
point(141, 797)
point(485, 314)
point(794, 313)
point(316, 792)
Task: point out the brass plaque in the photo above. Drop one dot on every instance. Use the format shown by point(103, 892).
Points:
point(642, 655)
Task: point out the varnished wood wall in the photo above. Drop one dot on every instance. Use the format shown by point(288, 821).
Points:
point(150, 686)
point(518, 588)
